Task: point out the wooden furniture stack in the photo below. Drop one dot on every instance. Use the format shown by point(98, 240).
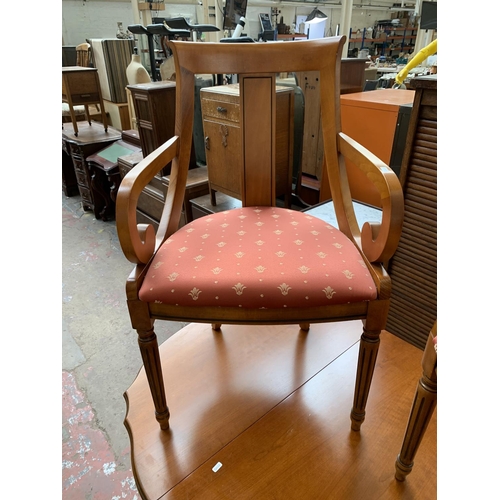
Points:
point(222, 127)
point(92, 138)
point(413, 268)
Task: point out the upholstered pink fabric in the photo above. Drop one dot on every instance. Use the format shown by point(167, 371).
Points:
point(258, 258)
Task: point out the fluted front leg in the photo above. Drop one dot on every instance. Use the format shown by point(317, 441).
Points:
point(368, 349)
point(421, 412)
point(148, 345)
point(420, 416)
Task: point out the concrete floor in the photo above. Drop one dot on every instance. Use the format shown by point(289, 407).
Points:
point(100, 358)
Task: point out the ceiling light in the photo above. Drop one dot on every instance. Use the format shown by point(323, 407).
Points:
point(316, 16)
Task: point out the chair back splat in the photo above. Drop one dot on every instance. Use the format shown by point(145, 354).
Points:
point(260, 263)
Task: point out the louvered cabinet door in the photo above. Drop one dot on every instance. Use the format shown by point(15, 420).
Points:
point(413, 269)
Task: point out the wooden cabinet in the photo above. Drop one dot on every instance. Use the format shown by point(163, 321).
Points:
point(379, 121)
point(413, 268)
point(91, 139)
point(80, 86)
point(154, 106)
point(352, 79)
point(221, 113)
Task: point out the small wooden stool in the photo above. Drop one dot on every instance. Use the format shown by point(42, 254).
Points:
point(197, 185)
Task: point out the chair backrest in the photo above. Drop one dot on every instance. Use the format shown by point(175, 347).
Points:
point(82, 55)
point(257, 65)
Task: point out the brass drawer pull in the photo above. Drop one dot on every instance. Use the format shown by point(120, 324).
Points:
point(220, 109)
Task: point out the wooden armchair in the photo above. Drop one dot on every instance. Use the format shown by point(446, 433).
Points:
point(259, 264)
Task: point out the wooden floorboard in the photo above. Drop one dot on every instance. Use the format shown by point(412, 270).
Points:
point(271, 405)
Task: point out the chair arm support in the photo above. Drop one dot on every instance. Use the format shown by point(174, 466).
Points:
point(378, 240)
point(138, 240)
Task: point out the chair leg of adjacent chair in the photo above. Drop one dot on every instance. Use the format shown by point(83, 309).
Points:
point(423, 407)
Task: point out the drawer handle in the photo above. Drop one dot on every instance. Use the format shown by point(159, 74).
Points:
point(207, 142)
point(220, 109)
point(84, 95)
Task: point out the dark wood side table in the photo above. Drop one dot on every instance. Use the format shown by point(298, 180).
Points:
point(91, 139)
point(105, 177)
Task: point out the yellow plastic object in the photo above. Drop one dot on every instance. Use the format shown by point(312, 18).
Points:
point(419, 57)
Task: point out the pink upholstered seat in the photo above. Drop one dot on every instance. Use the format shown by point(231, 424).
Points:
point(258, 257)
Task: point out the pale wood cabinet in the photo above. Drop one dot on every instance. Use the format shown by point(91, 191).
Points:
point(221, 114)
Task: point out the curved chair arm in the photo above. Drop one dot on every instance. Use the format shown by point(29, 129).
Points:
point(378, 240)
point(138, 240)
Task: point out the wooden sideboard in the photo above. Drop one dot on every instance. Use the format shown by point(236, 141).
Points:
point(220, 106)
point(413, 268)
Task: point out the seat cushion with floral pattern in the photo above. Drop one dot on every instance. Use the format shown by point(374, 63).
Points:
point(258, 257)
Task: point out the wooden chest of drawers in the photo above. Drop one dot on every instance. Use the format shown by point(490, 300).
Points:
point(221, 115)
